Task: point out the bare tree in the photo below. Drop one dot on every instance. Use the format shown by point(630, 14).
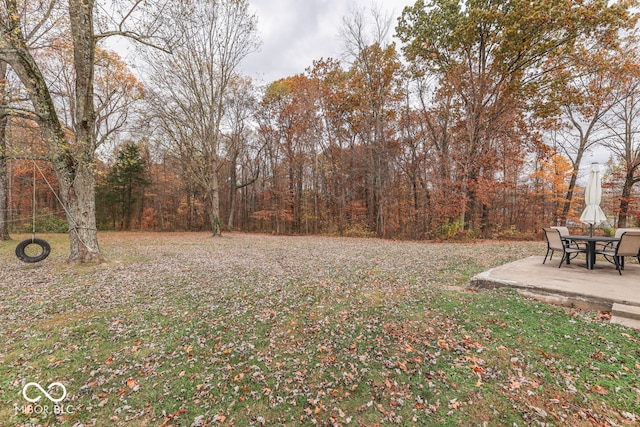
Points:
point(188, 86)
point(27, 26)
point(4, 193)
point(587, 94)
point(242, 103)
point(623, 125)
point(375, 68)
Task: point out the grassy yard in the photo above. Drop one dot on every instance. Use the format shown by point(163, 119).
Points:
point(248, 330)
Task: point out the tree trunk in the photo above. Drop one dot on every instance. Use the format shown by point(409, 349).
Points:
point(4, 182)
point(80, 190)
point(73, 163)
point(214, 198)
point(232, 207)
point(572, 185)
point(80, 203)
point(625, 198)
point(233, 190)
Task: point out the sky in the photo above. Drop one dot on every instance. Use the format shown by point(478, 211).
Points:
point(295, 33)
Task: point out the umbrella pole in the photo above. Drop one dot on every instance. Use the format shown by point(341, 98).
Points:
point(590, 230)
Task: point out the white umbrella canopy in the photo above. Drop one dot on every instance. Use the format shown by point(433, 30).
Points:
point(593, 214)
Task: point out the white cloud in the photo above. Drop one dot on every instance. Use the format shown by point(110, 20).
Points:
point(295, 33)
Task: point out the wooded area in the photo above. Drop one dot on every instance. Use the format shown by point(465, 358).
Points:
point(475, 122)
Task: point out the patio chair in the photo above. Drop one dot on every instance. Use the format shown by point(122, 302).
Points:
point(611, 246)
point(556, 243)
point(629, 245)
point(621, 231)
point(564, 231)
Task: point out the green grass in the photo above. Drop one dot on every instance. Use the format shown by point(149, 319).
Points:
point(256, 330)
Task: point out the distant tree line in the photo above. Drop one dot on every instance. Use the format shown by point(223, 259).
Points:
point(475, 124)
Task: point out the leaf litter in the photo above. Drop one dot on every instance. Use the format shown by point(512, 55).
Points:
point(185, 329)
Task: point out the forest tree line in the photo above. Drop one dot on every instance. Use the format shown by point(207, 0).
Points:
point(474, 119)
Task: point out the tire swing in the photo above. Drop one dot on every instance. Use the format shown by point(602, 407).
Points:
point(21, 250)
point(25, 250)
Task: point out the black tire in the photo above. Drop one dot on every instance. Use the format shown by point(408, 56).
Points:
point(22, 246)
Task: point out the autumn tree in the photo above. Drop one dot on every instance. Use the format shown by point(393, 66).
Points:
point(554, 175)
point(336, 162)
point(290, 123)
point(27, 26)
point(116, 89)
point(189, 85)
point(374, 77)
point(431, 136)
point(622, 128)
point(489, 58)
point(584, 91)
point(73, 167)
point(282, 127)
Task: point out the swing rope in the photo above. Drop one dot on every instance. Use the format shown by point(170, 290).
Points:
point(33, 204)
point(69, 217)
point(21, 250)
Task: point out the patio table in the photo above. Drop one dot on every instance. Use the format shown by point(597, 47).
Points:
point(591, 245)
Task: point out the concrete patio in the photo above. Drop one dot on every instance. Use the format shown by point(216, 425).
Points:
point(572, 285)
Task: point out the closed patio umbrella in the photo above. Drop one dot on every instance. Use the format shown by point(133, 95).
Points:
point(593, 214)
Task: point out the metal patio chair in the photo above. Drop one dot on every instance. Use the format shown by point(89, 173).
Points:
point(620, 231)
point(629, 245)
point(564, 231)
point(611, 246)
point(556, 243)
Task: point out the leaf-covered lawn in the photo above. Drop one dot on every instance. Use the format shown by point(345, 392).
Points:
point(188, 330)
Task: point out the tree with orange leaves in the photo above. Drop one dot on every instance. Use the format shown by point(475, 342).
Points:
point(375, 92)
point(554, 175)
point(26, 26)
point(491, 60)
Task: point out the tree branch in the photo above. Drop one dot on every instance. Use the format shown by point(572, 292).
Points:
point(9, 111)
point(144, 39)
point(133, 36)
point(44, 19)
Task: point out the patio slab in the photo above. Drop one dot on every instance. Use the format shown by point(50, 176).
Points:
point(572, 285)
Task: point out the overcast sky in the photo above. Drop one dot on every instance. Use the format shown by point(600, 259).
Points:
point(295, 33)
